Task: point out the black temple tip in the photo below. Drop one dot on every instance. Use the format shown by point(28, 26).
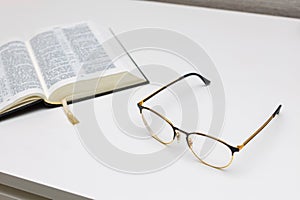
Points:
point(206, 81)
point(277, 111)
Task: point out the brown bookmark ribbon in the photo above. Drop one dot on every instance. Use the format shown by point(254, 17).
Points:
point(68, 112)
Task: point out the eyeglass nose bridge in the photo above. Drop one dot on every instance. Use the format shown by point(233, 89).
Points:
point(178, 132)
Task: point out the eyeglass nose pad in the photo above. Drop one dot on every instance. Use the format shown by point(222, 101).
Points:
point(178, 136)
point(190, 142)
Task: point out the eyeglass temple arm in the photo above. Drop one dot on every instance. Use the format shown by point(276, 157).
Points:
point(260, 128)
point(205, 80)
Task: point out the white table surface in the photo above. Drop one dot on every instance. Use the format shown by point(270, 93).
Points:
point(258, 60)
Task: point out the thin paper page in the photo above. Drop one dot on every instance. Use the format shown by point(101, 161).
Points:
point(62, 52)
point(18, 77)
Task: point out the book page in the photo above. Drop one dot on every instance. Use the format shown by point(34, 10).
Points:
point(62, 53)
point(18, 77)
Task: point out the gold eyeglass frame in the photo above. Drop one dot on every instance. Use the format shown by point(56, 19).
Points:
point(177, 130)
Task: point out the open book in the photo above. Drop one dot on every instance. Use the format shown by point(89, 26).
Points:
point(46, 68)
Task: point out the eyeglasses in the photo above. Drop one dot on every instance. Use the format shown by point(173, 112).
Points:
point(208, 149)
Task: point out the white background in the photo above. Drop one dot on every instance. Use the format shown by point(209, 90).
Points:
point(258, 60)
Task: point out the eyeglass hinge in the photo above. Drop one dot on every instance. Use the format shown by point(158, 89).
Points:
point(240, 146)
point(139, 104)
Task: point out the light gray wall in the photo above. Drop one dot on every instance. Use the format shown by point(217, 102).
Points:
point(288, 8)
